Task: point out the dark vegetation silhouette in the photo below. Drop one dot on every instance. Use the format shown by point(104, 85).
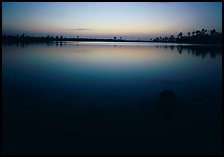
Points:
point(196, 37)
point(26, 39)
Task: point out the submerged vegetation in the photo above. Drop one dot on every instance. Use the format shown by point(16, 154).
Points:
point(196, 37)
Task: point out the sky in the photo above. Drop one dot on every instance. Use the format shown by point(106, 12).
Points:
point(130, 20)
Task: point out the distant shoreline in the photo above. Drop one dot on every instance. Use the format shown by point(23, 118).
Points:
point(103, 40)
point(24, 39)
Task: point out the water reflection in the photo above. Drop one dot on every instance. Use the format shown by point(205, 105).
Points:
point(197, 50)
point(140, 68)
point(71, 95)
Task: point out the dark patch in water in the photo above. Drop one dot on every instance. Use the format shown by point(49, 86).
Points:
point(166, 101)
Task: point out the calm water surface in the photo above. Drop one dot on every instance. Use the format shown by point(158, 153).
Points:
point(98, 97)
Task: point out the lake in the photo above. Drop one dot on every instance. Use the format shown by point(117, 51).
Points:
point(100, 98)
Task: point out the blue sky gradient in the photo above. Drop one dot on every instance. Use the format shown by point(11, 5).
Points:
point(130, 20)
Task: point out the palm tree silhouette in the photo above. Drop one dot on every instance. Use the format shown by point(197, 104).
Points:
point(189, 34)
point(203, 31)
point(180, 35)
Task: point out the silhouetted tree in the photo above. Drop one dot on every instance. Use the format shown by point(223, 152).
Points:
point(157, 39)
point(189, 34)
point(171, 38)
point(48, 38)
point(203, 31)
point(180, 35)
point(198, 33)
point(213, 32)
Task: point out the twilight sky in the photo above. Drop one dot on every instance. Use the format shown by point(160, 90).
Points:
point(130, 20)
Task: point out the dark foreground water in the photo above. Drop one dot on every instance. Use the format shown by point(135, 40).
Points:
point(100, 98)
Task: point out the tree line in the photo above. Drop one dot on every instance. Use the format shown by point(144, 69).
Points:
point(195, 37)
point(12, 39)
